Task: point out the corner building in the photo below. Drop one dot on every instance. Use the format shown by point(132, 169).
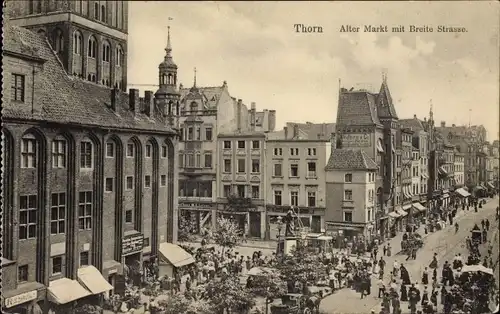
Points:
point(89, 183)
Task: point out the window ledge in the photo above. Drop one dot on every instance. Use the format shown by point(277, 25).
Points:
point(312, 178)
point(254, 172)
point(292, 177)
point(278, 177)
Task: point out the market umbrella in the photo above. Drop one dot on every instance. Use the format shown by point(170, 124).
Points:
point(256, 271)
point(477, 268)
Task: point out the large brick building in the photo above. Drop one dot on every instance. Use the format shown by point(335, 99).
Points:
point(89, 177)
point(89, 37)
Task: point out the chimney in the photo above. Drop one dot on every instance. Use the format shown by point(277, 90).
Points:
point(272, 121)
point(453, 125)
point(323, 130)
point(238, 115)
point(133, 102)
point(443, 124)
point(252, 116)
point(295, 130)
point(333, 142)
point(114, 98)
point(425, 119)
point(181, 86)
point(286, 132)
point(414, 116)
point(149, 103)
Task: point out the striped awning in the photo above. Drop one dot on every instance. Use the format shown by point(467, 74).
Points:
point(418, 206)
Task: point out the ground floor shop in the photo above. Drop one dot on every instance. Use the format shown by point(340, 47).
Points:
point(27, 298)
point(312, 220)
point(172, 259)
point(350, 235)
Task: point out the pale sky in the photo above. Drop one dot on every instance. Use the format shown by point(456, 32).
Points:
point(254, 47)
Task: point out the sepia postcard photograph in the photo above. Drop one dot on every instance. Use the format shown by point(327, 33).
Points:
point(250, 157)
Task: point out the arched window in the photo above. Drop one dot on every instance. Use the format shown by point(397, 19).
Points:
point(103, 13)
point(96, 10)
point(106, 54)
point(77, 43)
point(119, 55)
point(58, 41)
point(92, 50)
point(29, 151)
point(89, 77)
point(93, 78)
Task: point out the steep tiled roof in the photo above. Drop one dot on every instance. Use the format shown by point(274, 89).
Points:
point(385, 106)
point(314, 131)
point(65, 99)
point(414, 124)
point(211, 95)
point(357, 108)
point(350, 159)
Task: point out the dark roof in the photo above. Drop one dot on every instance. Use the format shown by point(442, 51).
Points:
point(414, 124)
point(357, 108)
point(350, 159)
point(385, 106)
point(66, 99)
point(209, 95)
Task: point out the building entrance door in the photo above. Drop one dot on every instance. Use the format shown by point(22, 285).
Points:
point(254, 224)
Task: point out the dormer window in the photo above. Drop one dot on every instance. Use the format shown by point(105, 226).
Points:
point(194, 106)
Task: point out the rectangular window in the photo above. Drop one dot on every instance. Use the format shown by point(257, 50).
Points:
point(86, 155)
point(311, 170)
point(277, 198)
point(348, 195)
point(110, 150)
point(198, 160)
point(190, 134)
point(147, 181)
point(255, 191)
point(109, 185)
point(129, 183)
point(311, 151)
point(208, 160)
point(240, 189)
point(149, 148)
point(294, 170)
point(58, 213)
point(22, 273)
point(57, 265)
point(163, 180)
point(278, 170)
point(164, 151)
point(294, 198)
point(227, 144)
point(58, 154)
point(311, 199)
point(208, 134)
point(241, 165)
point(227, 190)
point(17, 87)
point(278, 151)
point(130, 150)
point(28, 153)
point(255, 166)
point(85, 210)
point(348, 178)
point(241, 144)
point(255, 144)
point(227, 165)
point(348, 216)
point(27, 217)
point(181, 160)
point(129, 217)
point(84, 258)
point(294, 151)
point(198, 133)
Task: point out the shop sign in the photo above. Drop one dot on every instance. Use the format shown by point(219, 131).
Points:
point(21, 298)
point(132, 243)
point(356, 140)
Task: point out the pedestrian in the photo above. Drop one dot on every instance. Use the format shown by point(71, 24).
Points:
point(404, 293)
point(425, 276)
point(395, 268)
point(425, 296)
point(385, 250)
point(389, 249)
point(381, 288)
point(434, 298)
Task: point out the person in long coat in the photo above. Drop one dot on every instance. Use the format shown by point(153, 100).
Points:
point(404, 293)
point(434, 263)
point(405, 276)
point(425, 296)
point(434, 299)
point(425, 276)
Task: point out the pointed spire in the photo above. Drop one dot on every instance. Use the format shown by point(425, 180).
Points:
point(168, 49)
point(194, 81)
point(384, 75)
point(431, 113)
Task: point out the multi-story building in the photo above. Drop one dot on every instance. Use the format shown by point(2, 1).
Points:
point(241, 178)
point(350, 193)
point(295, 168)
point(459, 168)
point(403, 177)
point(89, 37)
point(88, 182)
point(495, 152)
point(368, 121)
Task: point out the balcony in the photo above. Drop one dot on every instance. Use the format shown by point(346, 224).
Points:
point(238, 203)
point(196, 171)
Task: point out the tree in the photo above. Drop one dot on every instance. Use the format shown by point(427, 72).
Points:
point(227, 294)
point(301, 266)
point(227, 234)
point(186, 229)
point(269, 286)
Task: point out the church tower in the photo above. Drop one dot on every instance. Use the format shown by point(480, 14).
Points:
point(90, 37)
point(168, 96)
